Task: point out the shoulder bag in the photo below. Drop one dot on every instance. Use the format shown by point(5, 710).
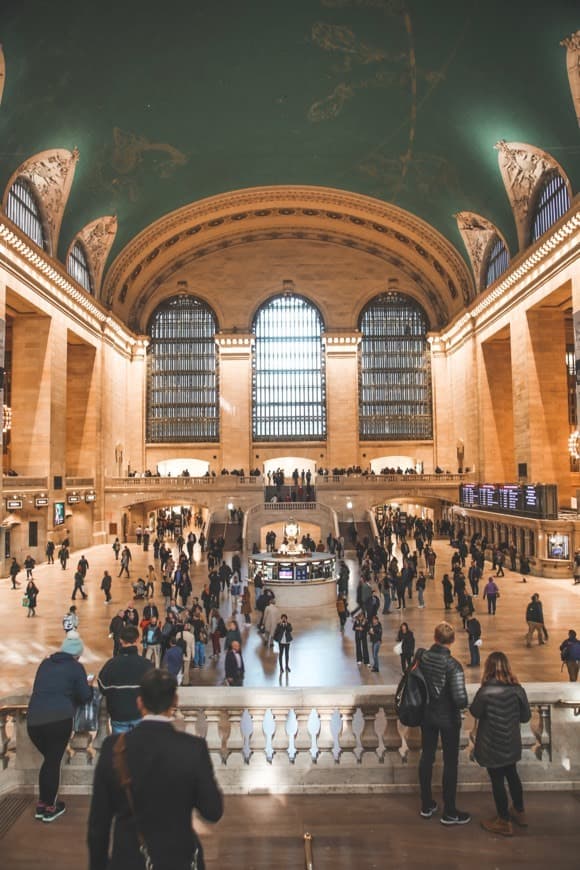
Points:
point(121, 769)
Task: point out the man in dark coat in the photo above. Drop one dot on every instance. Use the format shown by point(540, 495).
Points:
point(170, 776)
point(535, 620)
point(447, 697)
point(234, 665)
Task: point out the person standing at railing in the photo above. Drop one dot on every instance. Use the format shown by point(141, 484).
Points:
point(500, 707)
point(60, 685)
point(361, 629)
point(283, 637)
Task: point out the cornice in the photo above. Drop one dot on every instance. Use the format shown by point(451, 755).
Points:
point(267, 208)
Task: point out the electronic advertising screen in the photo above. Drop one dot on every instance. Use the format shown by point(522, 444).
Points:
point(58, 513)
point(285, 572)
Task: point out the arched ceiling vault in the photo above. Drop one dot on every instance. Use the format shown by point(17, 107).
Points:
point(401, 239)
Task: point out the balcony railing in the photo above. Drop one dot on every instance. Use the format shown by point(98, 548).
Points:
point(314, 740)
point(16, 483)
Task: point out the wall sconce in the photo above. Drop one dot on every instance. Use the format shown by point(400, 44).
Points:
point(349, 505)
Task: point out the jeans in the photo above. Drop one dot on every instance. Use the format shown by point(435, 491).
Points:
point(376, 648)
point(362, 647)
point(420, 594)
point(387, 602)
point(497, 776)
point(51, 740)
point(491, 599)
point(284, 650)
point(199, 656)
point(473, 653)
point(118, 727)
point(450, 745)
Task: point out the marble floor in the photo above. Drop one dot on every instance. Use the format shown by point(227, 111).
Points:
point(320, 654)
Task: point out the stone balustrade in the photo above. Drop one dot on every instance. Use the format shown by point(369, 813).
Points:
point(315, 740)
point(233, 481)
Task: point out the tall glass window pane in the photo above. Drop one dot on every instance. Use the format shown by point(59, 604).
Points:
point(552, 203)
point(78, 268)
point(289, 391)
point(395, 371)
point(497, 263)
point(22, 209)
point(182, 376)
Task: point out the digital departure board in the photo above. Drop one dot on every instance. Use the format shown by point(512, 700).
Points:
point(537, 500)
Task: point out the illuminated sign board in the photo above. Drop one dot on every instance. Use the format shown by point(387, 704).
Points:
point(41, 501)
point(73, 499)
point(14, 504)
point(537, 500)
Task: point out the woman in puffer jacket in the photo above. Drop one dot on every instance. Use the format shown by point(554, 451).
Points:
point(500, 705)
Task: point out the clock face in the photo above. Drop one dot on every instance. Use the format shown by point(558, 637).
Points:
point(291, 530)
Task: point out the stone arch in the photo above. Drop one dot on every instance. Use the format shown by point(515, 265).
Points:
point(50, 175)
point(96, 238)
point(296, 212)
point(478, 234)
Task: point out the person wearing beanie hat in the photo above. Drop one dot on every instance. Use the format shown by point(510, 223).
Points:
point(60, 686)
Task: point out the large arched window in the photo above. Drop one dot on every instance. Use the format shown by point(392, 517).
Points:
point(23, 210)
point(289, 395)
point(395, 371)
point(77, 266)
point(552, 203)
point(182, 377)
point(497, 262)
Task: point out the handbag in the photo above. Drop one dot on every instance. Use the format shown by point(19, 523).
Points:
point(478, 642)
point(398, 648)
point(25, 602)
point(121, 768)
point(86, 716)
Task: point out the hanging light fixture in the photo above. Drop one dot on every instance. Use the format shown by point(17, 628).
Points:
point(6, 419)
point(574, 444)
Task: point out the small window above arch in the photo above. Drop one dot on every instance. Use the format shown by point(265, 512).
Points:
point(552, 202)
point(23, 210)
point(497, 261)
point(77, 265)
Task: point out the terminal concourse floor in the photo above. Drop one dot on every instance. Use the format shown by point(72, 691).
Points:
point(320, 655)
point(261, 832)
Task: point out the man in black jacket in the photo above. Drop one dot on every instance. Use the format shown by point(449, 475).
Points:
point(535, 620)
point(120, 679)
point(235, 665)
point(447, 697)
point(170, 775)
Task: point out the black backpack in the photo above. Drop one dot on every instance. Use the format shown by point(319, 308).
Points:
point(412, 695)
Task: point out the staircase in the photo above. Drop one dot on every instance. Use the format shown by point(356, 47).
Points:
point(363, 530)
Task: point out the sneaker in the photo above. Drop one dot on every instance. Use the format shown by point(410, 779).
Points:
point(52, 813)
point(40, 811)
point(375, 670)
point(458, 818)
point(359, 663)
point(426, 814)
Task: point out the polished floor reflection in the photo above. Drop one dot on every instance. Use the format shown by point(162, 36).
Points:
point(320, 655)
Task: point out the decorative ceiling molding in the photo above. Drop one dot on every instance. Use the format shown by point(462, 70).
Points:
point(477, 233)
point(2, 72)
point(270, 212)
point(50, 173)
point(572, 45)
point(523, 168)
point(97, 239)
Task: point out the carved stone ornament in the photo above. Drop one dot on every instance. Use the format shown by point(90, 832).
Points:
point(2, 72)
point(50, 174)
point(477, 233)
point(97, 239)
point(522, 168)
point(572, 44)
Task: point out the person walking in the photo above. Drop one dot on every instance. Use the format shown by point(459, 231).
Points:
point(116, 548)
point(14, 571)
point(126, 558)
point(246, 607)
point(283, 637)
point(535, 620)
point(447, 697)
point(169, 775)
point(491, 592)
point(49, 551)
point(500, 562)
point(29, 564)
point(152, 641)
point(106, 586)
point(570, 655)
point(119, 681)
point(447, 592)
point(60, 685)
point(31, 594)
point(420, 585)
point(116, 626)
point(473, 629)
point(78, 587)
point(70, 621)
point(361, 628)
point(376, 637)
point(151, 581)
point(235, 591)
point(407, 640)
point(342, 610)
point(500, 707)
point(63, 555)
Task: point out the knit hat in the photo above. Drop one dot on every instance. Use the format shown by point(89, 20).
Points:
point(72, 645)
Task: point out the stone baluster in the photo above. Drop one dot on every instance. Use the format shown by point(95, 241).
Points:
point(303, 739)
point(280, 736)
point(234, 742)
point(103, 729)
point(213, 736)
point(291, 729)
point(192, 721)
point(258, 741)
point(541, 728)
point(326, 740)
point(247, 730)
point(269, 729)
point(392, 738)
point(4, 740)
point(369, 738)
point(314, 730)
point(80, 752)
point(531, 732)
point(347, 738)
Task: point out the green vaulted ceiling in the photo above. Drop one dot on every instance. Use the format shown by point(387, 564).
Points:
point(173, 101)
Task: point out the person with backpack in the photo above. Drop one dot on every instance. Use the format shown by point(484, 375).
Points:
point(570, 655)
point(535, 620)
point(500, 706)
point(447, 696)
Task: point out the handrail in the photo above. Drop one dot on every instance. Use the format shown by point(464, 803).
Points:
point(570, 705)
point(308, 856)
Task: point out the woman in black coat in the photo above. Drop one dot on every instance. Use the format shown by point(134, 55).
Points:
point(500, 705)
point(447, 592)
point(407, 639)
point(31, 594)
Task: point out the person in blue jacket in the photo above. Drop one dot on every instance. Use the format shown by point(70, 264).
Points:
point(60, 685)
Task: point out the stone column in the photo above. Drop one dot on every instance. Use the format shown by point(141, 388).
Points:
point(496, 420)
point(540, 396)
point(342, 398)
point(235, 373)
